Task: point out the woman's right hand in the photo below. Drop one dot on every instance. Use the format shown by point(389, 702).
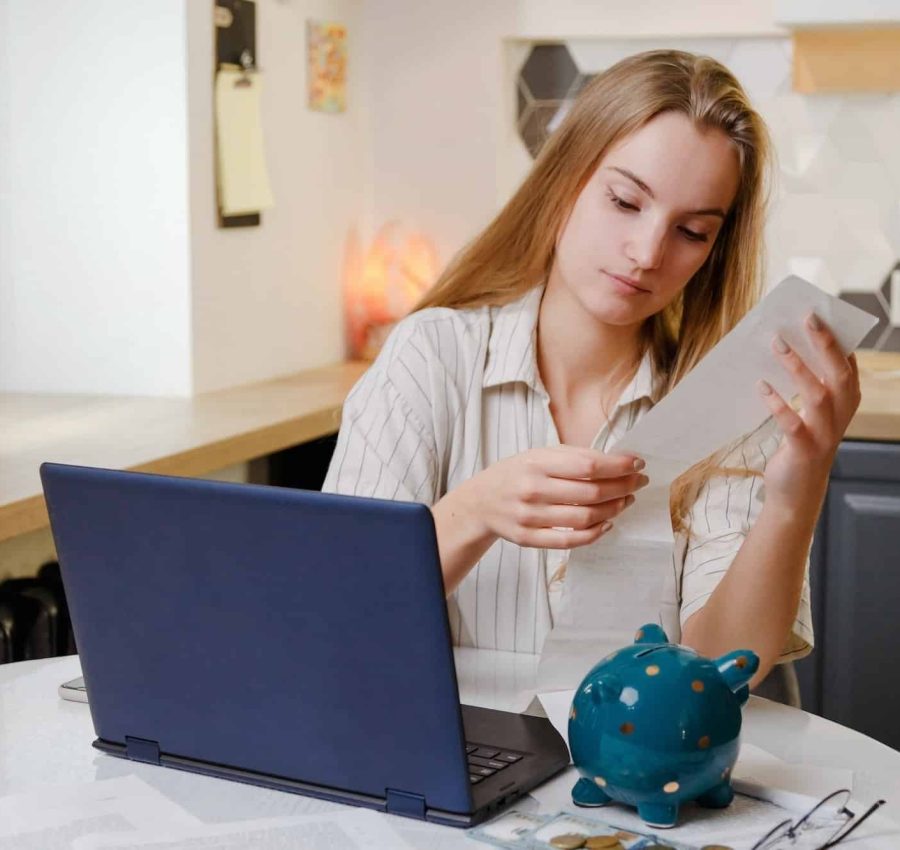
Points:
point(558, 497)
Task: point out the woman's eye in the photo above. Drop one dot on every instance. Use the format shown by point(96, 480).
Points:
point(622, 205)
point(692, 236)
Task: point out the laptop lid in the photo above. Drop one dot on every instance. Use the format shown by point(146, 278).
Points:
point(288, 633)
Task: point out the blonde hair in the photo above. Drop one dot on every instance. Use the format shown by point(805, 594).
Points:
point(516, 251)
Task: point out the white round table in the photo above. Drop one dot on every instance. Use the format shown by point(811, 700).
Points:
point(46, 741)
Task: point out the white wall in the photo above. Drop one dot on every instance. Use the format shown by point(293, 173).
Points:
point(114, 277)
point(435, 77)
point(94, 269)
point(267, 300)
point(442, 90)
point(536, 19)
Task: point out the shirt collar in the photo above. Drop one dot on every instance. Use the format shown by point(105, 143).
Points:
point(512, 348)
point(512, 351)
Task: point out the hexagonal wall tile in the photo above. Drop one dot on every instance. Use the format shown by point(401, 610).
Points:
point(872, 303)
point(549, 72)
point(760, 65)
point(890, 341)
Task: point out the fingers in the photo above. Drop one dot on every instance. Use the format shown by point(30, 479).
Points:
point(816, 397)
point(563, 538)
point(563, 491)
point(582, 463)
point(838, 369)
point(787, 419)
point(570, 516)
point(841, 372)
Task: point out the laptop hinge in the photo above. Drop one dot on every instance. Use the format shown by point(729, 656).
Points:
point(140, 749)
point(404, 803)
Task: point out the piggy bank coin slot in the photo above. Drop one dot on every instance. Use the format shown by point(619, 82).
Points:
point(652, 649)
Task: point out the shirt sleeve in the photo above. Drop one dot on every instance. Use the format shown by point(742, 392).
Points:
point(386, 447)
point(720, 519)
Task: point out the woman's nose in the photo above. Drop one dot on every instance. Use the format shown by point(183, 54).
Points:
point(647, 247)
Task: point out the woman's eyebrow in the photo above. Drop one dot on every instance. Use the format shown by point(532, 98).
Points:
point(644, 187)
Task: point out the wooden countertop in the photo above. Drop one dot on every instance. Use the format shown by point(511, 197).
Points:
point(878, 415)
point(173, 436)
point(195, 436)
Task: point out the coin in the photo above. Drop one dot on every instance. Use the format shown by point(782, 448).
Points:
point(603, 842)
point(628, 836)
point(568, 840)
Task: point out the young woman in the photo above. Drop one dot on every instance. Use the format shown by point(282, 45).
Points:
point(631, 248)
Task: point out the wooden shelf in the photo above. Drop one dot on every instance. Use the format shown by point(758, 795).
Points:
point(173, 436)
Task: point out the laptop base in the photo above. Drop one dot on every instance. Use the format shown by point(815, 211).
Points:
point(520, 732)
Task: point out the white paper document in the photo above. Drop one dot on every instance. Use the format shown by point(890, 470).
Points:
point(627, 578)
point(353, 829)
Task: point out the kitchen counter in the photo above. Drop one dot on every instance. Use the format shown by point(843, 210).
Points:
point(878, 416)
point(172, 436)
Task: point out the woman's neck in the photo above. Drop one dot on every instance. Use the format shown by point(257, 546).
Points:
point(576, 353)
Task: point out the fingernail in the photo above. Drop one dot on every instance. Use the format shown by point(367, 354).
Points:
point(780, 345)
point(764, 387)
point(605, 526)
point(814, 322)
point(638, 464)
point(643, 481)
point(629, 500)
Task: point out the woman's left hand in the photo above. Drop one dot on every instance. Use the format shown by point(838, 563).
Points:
point(797, 474)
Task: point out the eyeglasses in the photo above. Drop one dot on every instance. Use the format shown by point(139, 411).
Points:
point(827, 823)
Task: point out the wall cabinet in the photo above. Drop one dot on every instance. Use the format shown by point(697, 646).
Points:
point(853, 675)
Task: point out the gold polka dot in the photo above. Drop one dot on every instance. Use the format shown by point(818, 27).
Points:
point(572, 713)
point(626, 728)
point(639, 635)
point(741, 662)
point(600, 781)
point(652, 670)
point(703, 743)
point(671, 787)
point(697, 686)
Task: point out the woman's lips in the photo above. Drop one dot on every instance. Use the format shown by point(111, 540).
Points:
point(625, 285)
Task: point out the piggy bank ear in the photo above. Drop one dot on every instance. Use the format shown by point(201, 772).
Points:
point(650, 633)
point(606, 688)
point(737, 668)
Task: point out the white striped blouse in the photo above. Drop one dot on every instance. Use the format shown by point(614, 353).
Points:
point(455, 390)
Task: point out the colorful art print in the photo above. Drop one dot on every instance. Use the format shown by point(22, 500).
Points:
point(326, 51)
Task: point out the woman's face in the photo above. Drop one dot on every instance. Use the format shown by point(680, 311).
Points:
point(648, 215)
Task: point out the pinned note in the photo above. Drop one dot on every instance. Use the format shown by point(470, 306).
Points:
point(241, 173)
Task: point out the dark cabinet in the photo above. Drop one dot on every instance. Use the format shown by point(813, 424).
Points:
point(853, 676)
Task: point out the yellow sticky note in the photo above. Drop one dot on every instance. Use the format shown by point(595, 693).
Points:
point(241, 172)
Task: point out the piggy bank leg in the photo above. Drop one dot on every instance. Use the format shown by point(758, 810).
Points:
point(658, 814)
point(587, 793)
point(718, 797)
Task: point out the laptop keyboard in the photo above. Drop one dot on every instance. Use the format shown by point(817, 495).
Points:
point(485, 761)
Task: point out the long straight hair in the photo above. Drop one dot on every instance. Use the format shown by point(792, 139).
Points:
point(516, 250)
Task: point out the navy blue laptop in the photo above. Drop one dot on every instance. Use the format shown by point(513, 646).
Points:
point(287, 638)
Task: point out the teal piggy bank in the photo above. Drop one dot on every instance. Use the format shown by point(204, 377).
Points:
point(655, 725)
